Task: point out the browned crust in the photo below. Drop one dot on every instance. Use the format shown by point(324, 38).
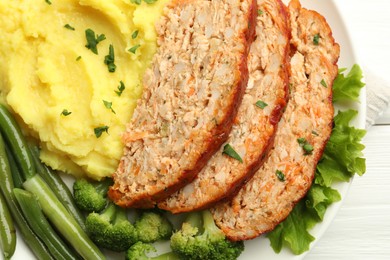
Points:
point(231, 188)
point(218, 137)
point(277, 217)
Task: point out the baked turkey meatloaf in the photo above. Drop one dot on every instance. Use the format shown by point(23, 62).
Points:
point(258, 115)
point(303, 131)
point(191, 96)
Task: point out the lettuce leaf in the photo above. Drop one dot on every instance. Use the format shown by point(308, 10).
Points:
point(342, 158)
point(347, 88)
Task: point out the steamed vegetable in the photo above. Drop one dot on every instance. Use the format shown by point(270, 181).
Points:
point(91, 195)
point(7, 230)
point(199, 238)
point(111, 229)
point(7, 186)
point(38, 222)
point(139, 251)
point(51, 206)
point(152, 226)
point(58, 186)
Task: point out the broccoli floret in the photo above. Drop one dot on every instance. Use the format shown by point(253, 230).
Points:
point(111, 229)
point(199, 238)
point(91, 195)
point(139, 250)
point(152, 226)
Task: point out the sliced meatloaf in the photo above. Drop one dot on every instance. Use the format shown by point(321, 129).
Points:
point(191, 96)
point(303, 131)
point(259, 113)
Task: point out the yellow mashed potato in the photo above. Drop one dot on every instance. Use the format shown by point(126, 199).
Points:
point(61, 90)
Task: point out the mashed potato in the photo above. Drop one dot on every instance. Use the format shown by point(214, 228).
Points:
point(60, 85)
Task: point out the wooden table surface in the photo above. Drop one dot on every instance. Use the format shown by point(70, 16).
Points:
point(361, 229)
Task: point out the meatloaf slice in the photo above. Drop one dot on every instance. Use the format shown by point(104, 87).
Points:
point(303, 131)
point(258, 115)
point(191, 96)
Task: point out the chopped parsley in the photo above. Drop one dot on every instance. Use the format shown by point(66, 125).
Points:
point(65, 112)
point(306, 146)
point(100, 130)
point(78, 58)
point(323, 83)
point(261, 104)
point(280, 175)
point(229, 151)
point(138, 2)
point(260, 12)
point(135, 34)
point(134, 48)
point(109, 60)
point(92, 40)
point(68, 26)
point(108, 105)
point(301, 141)
point(316, 39)
point(121, 88)
point(314, 133)
point(48, 2)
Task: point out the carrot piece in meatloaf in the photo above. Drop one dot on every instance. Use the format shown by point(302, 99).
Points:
point(191, 96)
point(258, 115)
point(303, 131)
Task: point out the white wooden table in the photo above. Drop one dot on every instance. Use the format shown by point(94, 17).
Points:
point(361, 229)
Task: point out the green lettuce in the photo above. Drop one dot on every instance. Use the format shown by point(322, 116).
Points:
point(341, 160)
point(347, 88)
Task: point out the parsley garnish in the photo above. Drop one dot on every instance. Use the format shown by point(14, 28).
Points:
point(109, 60)
point(135, 34)
point(78, 58)
point(314, 133)
point(93, 41)
point(260, 12)
point(48, 2)
point(65, 112)
point(138, 2)
point(306, 146)
point(280, 175)
point(68, 26)
point(108, 105)
point(134, 48)
point(323, 83)
point(229, 151)
point(121, 88)
point(261, 104)
point(316, 39)
point(100, 130)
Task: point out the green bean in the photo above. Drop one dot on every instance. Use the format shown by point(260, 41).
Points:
point(16, 176)
point(7, 230)
point(32, 211)
point(62, 219)
point(51, 206)
point(58, 186)
point(7, 186)
point(15, 140)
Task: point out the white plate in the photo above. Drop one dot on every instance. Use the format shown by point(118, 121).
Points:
point(259, 248)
